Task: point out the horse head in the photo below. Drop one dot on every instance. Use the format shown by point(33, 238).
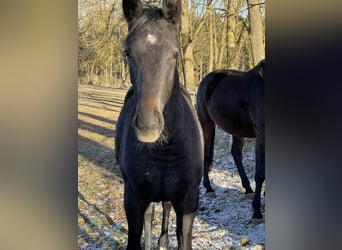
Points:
point(151, 48)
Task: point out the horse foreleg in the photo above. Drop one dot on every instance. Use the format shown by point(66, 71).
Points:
point(164, 237)
point(184, 229)
point(148, 218)
point(259, 177)
point(135, 218)
point(237, 156)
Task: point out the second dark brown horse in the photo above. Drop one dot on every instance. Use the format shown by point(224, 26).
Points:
point(234, 101)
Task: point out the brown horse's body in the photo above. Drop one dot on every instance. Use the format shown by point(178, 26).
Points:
point(234, 100)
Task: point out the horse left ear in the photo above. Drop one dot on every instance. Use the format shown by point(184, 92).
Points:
point(172, 10)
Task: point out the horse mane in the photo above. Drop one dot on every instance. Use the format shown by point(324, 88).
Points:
point(129, 94)
point(184, 91)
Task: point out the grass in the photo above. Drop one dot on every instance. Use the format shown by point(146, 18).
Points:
point(101, 218)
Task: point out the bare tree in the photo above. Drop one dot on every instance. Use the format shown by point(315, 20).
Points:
point(187, 48)
point(211, 37)
point(214, 34)
point(231, 36)
point(256, 30)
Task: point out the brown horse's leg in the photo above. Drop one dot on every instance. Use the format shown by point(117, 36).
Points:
point(148, 218)
point(259, 175)
point(209, 138)
point(237, 155)
point(164, 237)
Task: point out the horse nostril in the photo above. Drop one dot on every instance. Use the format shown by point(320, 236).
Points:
point(138, 122)
point(158, 119)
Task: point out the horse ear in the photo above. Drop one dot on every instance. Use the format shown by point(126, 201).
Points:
point(131, 9)
point(172, 10)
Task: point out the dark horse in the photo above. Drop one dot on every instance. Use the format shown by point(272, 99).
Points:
point(158, 142)
point(234, 100)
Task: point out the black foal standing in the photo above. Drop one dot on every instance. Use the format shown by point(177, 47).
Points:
point(158, 140)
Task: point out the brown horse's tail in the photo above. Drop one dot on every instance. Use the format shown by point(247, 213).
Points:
point(209, 157)
point(208, 125)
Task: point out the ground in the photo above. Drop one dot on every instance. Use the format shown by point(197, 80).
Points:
point(221, 223)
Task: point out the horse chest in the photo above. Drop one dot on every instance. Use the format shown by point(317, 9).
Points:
point(160, 174)
point(156, 182)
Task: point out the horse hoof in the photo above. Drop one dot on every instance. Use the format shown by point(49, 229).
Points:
point(257, 221)
point(210, 195)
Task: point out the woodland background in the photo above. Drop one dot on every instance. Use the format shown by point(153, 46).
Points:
point(214, 34)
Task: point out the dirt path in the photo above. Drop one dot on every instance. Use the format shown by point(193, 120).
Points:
point(221, 223)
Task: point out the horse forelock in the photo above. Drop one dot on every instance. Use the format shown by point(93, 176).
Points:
point(149, 15)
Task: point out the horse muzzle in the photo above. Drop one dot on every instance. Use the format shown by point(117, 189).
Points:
point(148, 125)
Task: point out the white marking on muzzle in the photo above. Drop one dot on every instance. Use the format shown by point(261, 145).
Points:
point(151, 39)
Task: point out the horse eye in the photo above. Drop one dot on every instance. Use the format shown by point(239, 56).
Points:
point(126, 53)
point(175, 55)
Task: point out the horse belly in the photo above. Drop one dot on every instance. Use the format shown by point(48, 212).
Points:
point(229, 108)
point(236, 125)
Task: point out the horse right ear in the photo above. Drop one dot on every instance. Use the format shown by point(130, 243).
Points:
point(172, 10)
point(131, 9)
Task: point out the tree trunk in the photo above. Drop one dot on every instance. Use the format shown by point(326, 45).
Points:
point(216, 50)
point(256, 31)
point(222, 43)
point(236, 56)
point(189, 70)
point(211, 38)
point(188, 55)
point(231, 40)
